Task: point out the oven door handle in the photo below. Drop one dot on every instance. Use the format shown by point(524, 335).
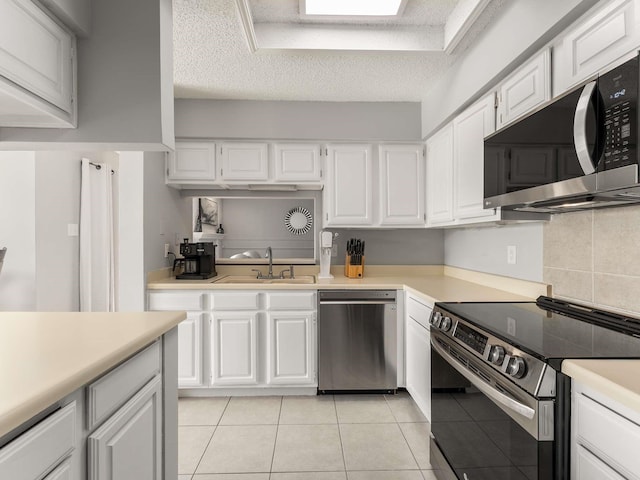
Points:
point(489, 391)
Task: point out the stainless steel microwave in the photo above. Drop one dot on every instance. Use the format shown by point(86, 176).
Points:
point(578, 151)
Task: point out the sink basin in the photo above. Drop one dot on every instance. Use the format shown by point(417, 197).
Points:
point(302, 279)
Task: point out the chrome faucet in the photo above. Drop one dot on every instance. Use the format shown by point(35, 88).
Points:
point(269, 255)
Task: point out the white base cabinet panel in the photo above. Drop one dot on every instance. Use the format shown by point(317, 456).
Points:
point(418, 353)
point(290, 347)
point(190, 361)
point(234, 348)
point(128, 446)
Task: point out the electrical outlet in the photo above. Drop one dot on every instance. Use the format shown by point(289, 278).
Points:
point(511, 254)
point(166, 250)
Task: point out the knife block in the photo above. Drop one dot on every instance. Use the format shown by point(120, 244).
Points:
point(353, 271)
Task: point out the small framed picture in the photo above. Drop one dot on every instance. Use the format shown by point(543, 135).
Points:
point(209, 211)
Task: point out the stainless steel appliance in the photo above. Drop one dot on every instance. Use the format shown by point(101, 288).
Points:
point(199, 262)
point(513, 420)
point(357, 341)
point(577, 152)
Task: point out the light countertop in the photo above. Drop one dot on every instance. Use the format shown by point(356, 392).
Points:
point(617, 379)
point(434, 284)
point(47, 356)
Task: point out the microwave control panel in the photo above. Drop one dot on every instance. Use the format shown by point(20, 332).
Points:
point(619, 93)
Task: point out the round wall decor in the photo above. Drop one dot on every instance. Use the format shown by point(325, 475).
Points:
point(298, 220)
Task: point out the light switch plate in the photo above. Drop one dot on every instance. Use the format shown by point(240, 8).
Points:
point(73, 230)
point(511, 255)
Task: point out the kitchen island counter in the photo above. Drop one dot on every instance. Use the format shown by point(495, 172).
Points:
point(47, 356)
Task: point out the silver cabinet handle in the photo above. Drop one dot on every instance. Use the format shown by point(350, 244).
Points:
point(490, 392)
point(580, 129)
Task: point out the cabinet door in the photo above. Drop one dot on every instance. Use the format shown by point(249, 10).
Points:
point(234, 348)
point(297, 162)
point(418, 365)
point(291, 352)
point(192, 162)
point(128, 446)
point(402, 185)
point(440, 177)
point(36, 53)
point(349, 189)
point(590, 467)
point(190, 360)
point(599, 39)
point(527, 88)
point(244, 161)
point(469, 130)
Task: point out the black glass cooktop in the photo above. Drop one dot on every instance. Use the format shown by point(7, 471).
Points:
point(550, 335)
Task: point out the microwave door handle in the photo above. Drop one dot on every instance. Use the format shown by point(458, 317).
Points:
point(580, 129)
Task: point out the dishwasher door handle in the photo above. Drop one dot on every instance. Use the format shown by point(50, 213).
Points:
point(357, 302)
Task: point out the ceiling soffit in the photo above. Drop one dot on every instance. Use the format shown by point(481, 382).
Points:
point(423, 26)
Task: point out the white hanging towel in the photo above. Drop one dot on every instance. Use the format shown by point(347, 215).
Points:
point(97, 263)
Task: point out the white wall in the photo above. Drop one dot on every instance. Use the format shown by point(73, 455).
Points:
point(521, 28)
point(167, 216)
point(125, 83)
point(485, 250)
point(18, 231)
point(393, 121)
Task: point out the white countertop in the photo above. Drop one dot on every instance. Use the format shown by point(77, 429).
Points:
point(47, 356)
point(617, 379)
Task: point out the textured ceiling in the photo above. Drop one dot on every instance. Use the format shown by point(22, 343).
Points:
point(212, 60)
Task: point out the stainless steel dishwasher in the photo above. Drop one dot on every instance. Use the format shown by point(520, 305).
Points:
point(357, 347)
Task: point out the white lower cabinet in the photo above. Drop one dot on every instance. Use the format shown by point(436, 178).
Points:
point(605, 437)
point(418, 353)
point(234, 348)
point(190, 363)
point(290, 348)
point(128, 446)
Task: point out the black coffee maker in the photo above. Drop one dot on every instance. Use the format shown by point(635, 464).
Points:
point(199, 262)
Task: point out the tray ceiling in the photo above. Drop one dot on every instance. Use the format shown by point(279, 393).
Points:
point(265, 50)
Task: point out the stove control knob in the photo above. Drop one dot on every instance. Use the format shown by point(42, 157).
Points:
point(435, 319)
point(516, 367)
point(445, 324)
point(496, 355)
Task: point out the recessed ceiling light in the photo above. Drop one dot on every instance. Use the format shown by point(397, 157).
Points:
point(352, 7)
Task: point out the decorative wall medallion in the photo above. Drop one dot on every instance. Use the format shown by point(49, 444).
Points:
point(298, 220)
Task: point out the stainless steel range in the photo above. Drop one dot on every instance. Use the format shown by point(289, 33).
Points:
point(500, 404)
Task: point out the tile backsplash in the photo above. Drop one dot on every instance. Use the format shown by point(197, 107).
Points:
point(594, 257)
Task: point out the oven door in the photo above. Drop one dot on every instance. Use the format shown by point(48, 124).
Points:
point(485, 427)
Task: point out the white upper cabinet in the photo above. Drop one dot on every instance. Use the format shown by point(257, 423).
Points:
point(600, 38)
point(525, 89)
point(401, 172)
point(469, 130)
point(192, 162)
point(348, 194)
point(440, 177)
point(297, 162)
point(37, 68)
point(244, 161)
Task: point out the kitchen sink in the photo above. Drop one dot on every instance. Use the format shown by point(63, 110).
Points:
point(302, 279)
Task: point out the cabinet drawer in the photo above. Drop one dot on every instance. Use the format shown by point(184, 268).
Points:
point(176, 301)
point(108, 393)
point(292, 301)
point(41, 448)
point(236, 301)
point(608, 434)
point(590, 467)
point(418, 311)
point(63, 472)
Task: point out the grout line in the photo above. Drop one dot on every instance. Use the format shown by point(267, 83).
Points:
point(275, 441)
point(215, 429)
point(344, 461)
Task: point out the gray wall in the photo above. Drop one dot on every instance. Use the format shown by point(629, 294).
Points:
point(485, 249)
point(391, 121)
point(394, 247)
point(518, 31)
point(125, 83)
point(167, 216)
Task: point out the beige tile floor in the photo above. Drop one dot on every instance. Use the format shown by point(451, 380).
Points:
point(341, 437)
